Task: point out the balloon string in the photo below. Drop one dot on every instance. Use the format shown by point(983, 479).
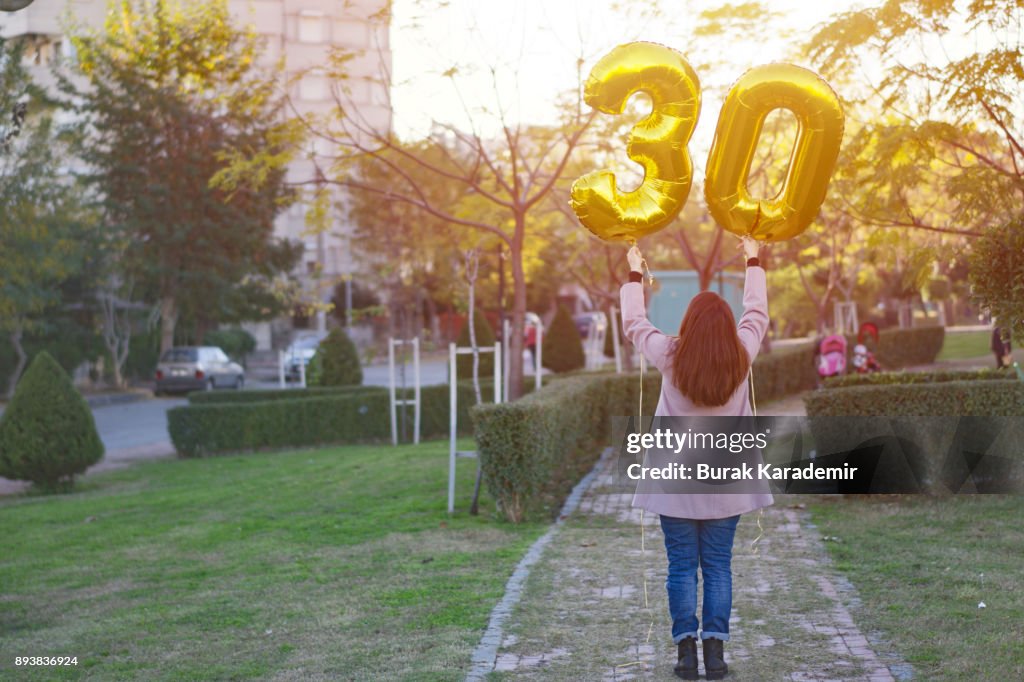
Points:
point(643, 538)
point(754, 549)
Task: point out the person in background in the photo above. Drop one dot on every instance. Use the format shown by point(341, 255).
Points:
point(1001, 347)
point(704, 372)
point(530, 341)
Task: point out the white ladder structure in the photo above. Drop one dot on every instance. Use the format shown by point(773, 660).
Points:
point(415, 401)
point(453, 407)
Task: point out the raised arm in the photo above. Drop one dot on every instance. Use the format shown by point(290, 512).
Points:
point(648, 339)
point(753, 324)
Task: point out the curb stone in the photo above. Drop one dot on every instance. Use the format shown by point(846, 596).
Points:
point(486, 654)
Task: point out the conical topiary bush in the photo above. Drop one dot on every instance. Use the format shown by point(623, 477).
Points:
point(484, 339)
point(47, 433)
point(336, 362)
point(562, 346)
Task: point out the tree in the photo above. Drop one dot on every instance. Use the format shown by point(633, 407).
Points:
point(997, 274)
point(236, 342)
point(44, 232)
point(484, 339)
point(562, 347)
point(949, 126)
point(510, 177)
point(337, 361)
point(414, 260)
point(172, 97)
point(47, 433)
point(364, 299)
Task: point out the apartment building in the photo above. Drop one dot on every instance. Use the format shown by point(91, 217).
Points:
point(303, 33)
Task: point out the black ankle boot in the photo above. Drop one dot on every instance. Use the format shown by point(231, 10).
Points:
point(714, 659)
point(686, 667)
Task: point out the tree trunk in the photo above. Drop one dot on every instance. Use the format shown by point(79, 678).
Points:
point(435, 326)
point(168, 320)
point(202, 326)
point(15, 339)
point(515, 344)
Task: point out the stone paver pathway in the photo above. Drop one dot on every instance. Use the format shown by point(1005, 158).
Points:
point(583, 613)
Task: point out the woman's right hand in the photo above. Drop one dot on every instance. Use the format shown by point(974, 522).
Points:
point(751, 247)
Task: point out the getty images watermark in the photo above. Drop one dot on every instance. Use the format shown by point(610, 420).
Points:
point(735, 443)
point(820, 455)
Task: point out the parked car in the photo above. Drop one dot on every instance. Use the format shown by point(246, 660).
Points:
point(301, 352)
point(197, 368)
point(586, 321)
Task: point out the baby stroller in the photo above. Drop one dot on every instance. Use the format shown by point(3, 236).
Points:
point(832, 356)
point(863, 359)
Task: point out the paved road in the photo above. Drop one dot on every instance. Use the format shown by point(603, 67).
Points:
point(431, 372)
point(135, 425)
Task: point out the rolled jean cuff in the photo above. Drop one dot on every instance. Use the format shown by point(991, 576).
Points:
point(678, 639)
point(724, 636)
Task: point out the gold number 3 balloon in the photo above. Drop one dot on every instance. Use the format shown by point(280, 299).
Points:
point(659, 144)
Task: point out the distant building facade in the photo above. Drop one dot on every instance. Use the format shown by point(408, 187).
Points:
point(302, 32)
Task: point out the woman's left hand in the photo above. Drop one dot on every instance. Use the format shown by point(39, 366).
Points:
point(635, 259)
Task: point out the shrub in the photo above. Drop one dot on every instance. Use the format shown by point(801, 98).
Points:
point(879, 378)
point(562, 346)
point(47, 433)
point(899, 348)
point(979, 398)
point(790, 370)
point(783, 372)
point(236, 342)
point(254, 396)
point(908, 411)
point(306, 417)
point(337, 362)
point(996, 272)
point(484, 339)
point(533, 450)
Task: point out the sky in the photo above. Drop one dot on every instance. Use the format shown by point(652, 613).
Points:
point(533, 46)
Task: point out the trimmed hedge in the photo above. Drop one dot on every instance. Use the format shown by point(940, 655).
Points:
point(533, 451)
point(898, 404)
point(254, 396)
point(792, 370)
point(888, 378)
point(299, 418)
point(784, 372)
point(898, 348)
point(961, 398)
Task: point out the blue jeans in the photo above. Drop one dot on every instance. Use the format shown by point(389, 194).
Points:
point(706, 543)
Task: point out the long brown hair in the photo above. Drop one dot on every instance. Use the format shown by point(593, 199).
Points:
point(708, 360)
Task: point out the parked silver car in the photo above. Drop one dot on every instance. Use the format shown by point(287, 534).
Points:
point(300, 352)
point(197, 368)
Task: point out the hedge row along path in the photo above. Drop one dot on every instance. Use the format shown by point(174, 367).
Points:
point(582, 613)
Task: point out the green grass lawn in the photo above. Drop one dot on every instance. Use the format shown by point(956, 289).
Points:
point(329, 564)
point(960, 345)
point(921, 567)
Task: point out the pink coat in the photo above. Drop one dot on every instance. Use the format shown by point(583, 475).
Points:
point(656, 347)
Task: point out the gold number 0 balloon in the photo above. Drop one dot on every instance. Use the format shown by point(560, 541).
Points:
point(658, 142)
point(820, 117)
